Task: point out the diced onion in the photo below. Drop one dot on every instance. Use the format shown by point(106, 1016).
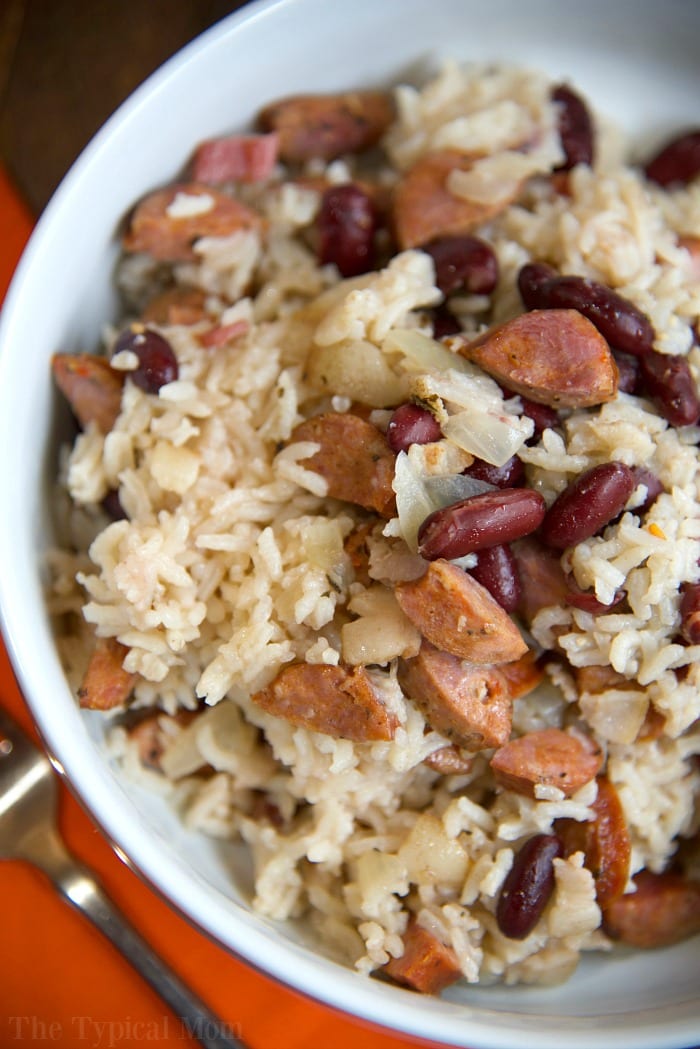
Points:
point(418, 495)
point(413, 504)
point(491, 437)
point(421, 353)
point(444, 491)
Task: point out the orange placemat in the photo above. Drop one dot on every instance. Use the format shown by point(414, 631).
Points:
point(62, 985)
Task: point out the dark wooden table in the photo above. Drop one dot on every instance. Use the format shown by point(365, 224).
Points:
point(65, 66)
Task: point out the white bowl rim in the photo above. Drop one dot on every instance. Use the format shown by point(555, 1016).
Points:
point(189, 894)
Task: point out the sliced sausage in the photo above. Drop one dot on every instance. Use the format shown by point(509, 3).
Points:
point(327, 126)
point(424, 208)
point(604, 841)
point(553, 357)
point(92, 388)
point(176, 306)
point(166, 224)
point(549, 757)
point(664, 910)
point(449, 761)
point(522, 675)
point(467, 703)
point(235, 158)
point(426, 964)
point(595, 679)
point(458, 615)
point(106, 684)
point(336, 700)
point(354, 458)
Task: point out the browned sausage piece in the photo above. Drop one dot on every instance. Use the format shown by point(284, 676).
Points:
point(449, 761)
point(176, 306)
point(424, 208)
point(354, 458)
point(327, 126)
point(92, 388)
point(465, 702)
point(543, 578)
point(165, 224)
point(458, 615)
point(605, 842)
point(664, 910)
point(338, 701)
point(596, 679)
point(426, 965)
point(522, 675)
point(106, 684)
point(554, 357)
point(548, 756)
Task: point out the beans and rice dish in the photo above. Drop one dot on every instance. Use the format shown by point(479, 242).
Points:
point(383, 535)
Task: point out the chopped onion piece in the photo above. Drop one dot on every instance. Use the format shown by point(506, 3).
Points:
point(492, 437)
point(444, 491)
point(458, 390)
point(418, 495)
point(421, 353)
point(413, 504)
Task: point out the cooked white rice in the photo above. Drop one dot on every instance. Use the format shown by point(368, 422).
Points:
point(231, 563)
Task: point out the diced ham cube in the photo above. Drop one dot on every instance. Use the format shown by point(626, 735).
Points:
point(235, 158)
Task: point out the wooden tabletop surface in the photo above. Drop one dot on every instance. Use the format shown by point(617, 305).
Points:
point(65, 66)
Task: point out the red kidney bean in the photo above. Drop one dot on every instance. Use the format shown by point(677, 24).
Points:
point(668, 381)
point(544, 417)
point(587, 504)
point(531, 277)
point(489, 519)
point(528, 886)
point(445, 323)
point(653, 485)
point(677, 163)
point(510, 475)
point(157, 361)
point(497, 570)
point(346, 226)
point(628, 372)
point(575, 128)
point(617, 319)
point(463, 263)
point(690, 613)
point(411, 424)
point(111, 504)
point(588, 602)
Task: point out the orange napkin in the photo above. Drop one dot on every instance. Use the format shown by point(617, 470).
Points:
point(63, 985)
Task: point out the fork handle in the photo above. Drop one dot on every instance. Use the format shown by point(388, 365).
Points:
point(78, 885)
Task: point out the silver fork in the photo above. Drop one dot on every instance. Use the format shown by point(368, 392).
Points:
point(28, 831)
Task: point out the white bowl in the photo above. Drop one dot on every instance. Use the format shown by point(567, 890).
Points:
point(637, 61)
